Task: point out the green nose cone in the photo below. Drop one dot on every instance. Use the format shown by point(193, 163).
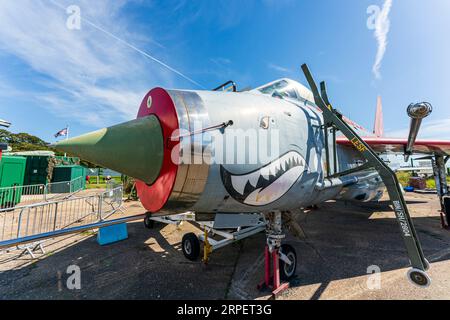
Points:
point(134, 148)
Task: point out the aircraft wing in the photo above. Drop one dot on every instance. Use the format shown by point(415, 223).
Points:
point(398, 145)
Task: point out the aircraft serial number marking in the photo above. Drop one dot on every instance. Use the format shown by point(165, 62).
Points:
point(401, 217)
point(358, 145)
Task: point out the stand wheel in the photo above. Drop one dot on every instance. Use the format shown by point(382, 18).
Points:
point(427, 265)
point(287, 271)
point(419, 278)
point(190, 246)
point(148, 222)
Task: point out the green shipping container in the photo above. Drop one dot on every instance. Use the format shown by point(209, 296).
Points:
point(76, 174)
point(36, 171)
point(39, 169)
point(12, 170)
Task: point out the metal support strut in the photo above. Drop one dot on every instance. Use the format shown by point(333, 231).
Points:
point(207, 248)
point(440, 177)
point(333, 118)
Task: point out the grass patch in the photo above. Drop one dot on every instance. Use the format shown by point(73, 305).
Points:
point(403, 177)
point(102, 179)
point(431, 184)
point(95, 186)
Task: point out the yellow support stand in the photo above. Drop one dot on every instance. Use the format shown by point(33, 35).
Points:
point(207, 249)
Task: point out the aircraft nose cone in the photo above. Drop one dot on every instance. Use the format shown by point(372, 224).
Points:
point(134, 148)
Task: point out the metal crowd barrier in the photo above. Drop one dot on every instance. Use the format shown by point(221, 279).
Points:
point(14, 196)
point(23, 224)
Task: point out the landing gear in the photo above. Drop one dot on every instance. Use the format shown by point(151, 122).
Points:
point(440, 177)
point(288, 262)
point(190, 246)
point(419, 277)
point(148, 222)
point(280, 260)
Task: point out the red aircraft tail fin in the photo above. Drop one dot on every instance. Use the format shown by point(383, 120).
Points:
point(378, 127)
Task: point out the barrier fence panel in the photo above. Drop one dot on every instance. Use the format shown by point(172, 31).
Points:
point(56, 190)
point(51, 216)
point(14, 196)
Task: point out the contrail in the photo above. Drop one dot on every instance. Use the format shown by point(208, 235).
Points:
point(133, 47)
point(382, 26)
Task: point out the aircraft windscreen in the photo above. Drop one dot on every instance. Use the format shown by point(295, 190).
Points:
point(281, 87)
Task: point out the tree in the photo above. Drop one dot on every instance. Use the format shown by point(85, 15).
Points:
point(26, 142)
point(23, 141)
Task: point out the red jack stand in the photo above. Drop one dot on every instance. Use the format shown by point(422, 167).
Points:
point(272, 279)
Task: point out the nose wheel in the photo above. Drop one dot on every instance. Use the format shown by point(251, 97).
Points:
point(419, 278)
point(280, 259)
point(288, 262)
point(148, 222)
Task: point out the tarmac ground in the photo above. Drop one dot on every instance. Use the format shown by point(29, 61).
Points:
point(338, 246)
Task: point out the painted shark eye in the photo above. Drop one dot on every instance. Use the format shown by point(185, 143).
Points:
point(264, 123)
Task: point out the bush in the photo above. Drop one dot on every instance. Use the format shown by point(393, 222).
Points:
point(403, 177)
point(431, 184)
point(129, 187)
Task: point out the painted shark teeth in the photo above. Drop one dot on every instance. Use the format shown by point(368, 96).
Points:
point(240, 182)
point(253, 179)
point(261, 178)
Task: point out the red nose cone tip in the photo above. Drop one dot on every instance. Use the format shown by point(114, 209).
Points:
point(158, 102)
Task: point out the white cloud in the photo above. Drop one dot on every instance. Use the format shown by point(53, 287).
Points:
point(382, 26)
point(220, 61)
point(278, 68)
point(89, 76)
point(436, 129)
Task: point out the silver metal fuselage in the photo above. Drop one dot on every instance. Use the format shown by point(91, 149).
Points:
point(290, 177)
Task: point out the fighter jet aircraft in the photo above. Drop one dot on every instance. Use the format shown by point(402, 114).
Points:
point(272, 149)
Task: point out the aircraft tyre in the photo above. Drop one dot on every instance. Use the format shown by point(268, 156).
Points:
point(148, 222)
point(427, 265)
point(288, 271)
point(419, 277)
point(190, 246)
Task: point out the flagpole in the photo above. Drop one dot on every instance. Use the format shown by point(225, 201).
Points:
point(67, 137)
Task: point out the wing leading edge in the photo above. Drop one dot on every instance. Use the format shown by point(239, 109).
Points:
point(394, 145)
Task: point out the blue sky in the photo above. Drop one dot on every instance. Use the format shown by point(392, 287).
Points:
point(52, 76)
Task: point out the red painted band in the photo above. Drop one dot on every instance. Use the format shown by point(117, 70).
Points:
point(154, 197)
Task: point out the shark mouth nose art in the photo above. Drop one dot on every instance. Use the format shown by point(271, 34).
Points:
point(266, 184)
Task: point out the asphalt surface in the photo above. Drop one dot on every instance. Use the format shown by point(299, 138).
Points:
point(336, 245)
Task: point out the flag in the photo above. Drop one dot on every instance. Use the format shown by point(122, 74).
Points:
point(61, 133)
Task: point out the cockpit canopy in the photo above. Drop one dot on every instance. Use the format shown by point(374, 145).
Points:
point(291, 89)
point(287, 88)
